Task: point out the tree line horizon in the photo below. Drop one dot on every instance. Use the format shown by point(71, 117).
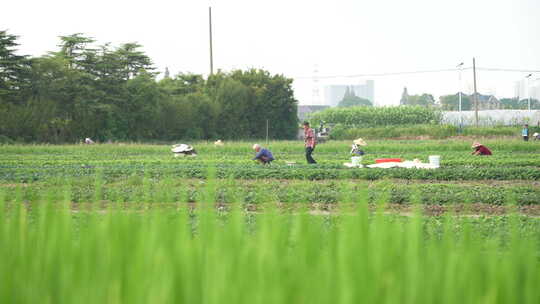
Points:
point(112, 93)
point(446, 102)
point(451, 102)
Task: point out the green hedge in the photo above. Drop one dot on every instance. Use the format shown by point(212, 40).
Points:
point(377, 116)
point(341, 131)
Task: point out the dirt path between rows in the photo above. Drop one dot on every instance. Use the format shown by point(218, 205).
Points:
point(476, 209)
point(473, 210)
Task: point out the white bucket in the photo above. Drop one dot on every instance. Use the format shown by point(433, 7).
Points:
point(435, 160)
point(355, 160)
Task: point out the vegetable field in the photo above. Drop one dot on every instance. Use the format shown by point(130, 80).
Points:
point(132, 224)
point(378, 116)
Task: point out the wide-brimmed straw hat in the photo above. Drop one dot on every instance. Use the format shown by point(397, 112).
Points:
point(359, 142)
point(476, 144)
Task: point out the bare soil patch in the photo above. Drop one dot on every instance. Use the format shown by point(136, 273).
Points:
point(475, 209)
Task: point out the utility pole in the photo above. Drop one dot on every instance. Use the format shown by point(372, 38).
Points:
point(211, 55)
point(267, 132)
point(528, 92)
point(475, 93)
point(460, 66)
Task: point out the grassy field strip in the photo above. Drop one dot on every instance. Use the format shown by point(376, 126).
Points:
point(209, 257)
point(130, 224)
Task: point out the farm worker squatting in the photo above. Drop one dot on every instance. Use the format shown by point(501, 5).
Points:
point(310, 142)
point(479, 149)
point(263, 155)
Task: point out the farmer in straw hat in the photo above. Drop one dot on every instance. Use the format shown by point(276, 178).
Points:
point(182, 150)
point(356, 147)
point(480, 149)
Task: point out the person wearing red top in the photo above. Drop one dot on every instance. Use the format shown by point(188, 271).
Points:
point(310, 142)
point(480, 149)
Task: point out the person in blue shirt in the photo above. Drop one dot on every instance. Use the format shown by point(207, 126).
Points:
point(263, 155)
point(525, 132)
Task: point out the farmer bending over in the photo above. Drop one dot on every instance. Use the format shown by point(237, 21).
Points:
point(479, 149)
point(263, 155)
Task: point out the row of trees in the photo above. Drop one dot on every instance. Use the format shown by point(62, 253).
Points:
point(111, 93)
point(424, 100)
point(451, 102)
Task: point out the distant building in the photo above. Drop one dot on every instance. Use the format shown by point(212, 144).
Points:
point(404, 97)
point(486, 102)
point(524, 89)
point(518, 89)
point(333, 94)
point(304, 110)
point(535, 91)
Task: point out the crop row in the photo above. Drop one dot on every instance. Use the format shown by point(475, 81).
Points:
point(388, 146)
point(25, 174)
point(331, 161)
point(166, 190)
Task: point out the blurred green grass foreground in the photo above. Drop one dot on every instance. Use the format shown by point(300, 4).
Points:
point(116, 224)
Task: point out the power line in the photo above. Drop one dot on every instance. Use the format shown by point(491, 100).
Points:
point(508, 70)
point(419, 72)
point(381, 74)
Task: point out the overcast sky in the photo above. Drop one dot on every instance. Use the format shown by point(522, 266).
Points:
point(341, 37)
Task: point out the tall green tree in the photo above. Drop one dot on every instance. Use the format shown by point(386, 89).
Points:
point(14, 69)
point(182, 84)
point(516, 104)
point(234, 100)
point(74, 48)
point(424, 100)
point(111, 93)
point(451, 102)
point(141, 107)
point(273, 100)
point(133, 60)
